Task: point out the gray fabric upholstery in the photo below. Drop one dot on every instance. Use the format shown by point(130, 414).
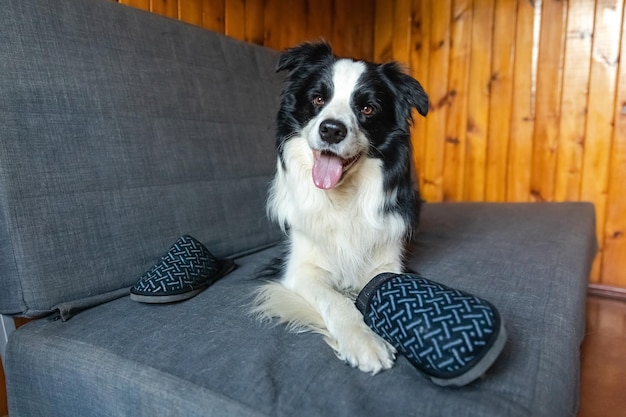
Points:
point(120, 131)
point(207, 357)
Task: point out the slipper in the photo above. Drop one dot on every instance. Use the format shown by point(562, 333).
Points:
point(183, 272)
point(450, 336)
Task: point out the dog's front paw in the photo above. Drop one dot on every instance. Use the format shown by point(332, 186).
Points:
point(364, 349)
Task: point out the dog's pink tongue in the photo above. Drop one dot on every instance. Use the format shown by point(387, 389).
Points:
point(327, 170)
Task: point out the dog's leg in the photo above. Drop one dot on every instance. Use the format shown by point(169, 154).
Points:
point(347, 333)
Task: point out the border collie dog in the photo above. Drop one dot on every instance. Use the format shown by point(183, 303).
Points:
point(343, 194)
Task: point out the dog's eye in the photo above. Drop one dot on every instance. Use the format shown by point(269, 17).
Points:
point(367, 110)
point(318, 101)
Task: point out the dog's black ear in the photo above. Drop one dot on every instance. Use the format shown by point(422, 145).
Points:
point(409, 88)
point(300, 55)
point(416, 95)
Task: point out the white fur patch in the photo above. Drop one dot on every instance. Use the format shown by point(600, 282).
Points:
point(346, 225)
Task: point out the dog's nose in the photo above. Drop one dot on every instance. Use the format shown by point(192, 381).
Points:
point(333, 131)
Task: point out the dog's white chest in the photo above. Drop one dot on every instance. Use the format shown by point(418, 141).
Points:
point(345, 229)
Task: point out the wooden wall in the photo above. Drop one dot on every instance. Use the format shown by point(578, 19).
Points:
point(528, 98)
point(529, 104)
point(278, 24)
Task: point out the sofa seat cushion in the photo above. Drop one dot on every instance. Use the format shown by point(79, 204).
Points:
point(207, 357)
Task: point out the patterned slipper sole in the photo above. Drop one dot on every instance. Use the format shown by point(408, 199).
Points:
point(184, 271)
point(451, 336)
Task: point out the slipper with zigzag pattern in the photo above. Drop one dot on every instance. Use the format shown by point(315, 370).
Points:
point(449, 335)
point(183, 272)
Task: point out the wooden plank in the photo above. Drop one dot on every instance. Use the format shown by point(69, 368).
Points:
point(167, 8)
point(419, 63)
point(362, 40)
point(573, 112)
point(190, 11)
point(342, 28)
point(600, 114)
point(365, 36)
point(353, 25)
point(284, 21)
point(255, 21)
point(500, 99)
point(320, 16)
point(213, 15)
point(235, 19)
point(548, 105)
point(271, 36)
point(602, 359)
point(523, 101)
point(478, 100)
point(400, 47)
point(614, 261)
point(458, 79)
point(438, 92)
point(139, 4)
point(383, 31)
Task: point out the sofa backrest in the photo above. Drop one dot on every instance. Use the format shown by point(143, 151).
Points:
point(120, 131)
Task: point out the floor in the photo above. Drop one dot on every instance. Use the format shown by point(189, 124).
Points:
point(603, 376)
point(603, 359)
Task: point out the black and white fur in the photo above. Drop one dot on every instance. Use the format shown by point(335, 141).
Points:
point(340, 234)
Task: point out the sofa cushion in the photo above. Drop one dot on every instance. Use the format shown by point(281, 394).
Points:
point(121, 131)
point(208, 357)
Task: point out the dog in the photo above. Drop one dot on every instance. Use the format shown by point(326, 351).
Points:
point(343, 194)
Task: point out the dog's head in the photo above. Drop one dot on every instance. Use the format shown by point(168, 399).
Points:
point(344, 108)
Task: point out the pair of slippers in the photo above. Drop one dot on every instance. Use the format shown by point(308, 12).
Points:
point(187, 269)
point(449, 335)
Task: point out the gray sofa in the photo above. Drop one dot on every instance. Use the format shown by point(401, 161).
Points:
point(119, 132)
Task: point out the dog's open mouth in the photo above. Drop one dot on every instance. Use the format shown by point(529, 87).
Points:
point(328, 168)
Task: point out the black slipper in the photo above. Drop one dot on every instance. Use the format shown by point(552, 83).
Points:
point(451, 336)
point(183, 272)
